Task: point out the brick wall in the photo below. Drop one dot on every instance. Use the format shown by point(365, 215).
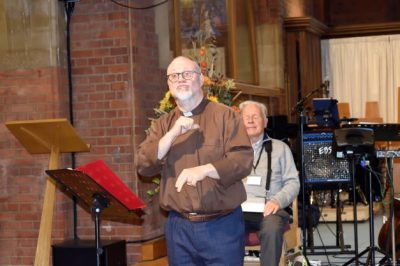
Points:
point(117, 82)
point(27, 94)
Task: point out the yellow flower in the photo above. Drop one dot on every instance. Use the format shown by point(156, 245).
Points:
point(229, 84)
point(213, 99)
point(165, 103)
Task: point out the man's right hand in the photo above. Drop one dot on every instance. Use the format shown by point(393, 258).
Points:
point(181, 126)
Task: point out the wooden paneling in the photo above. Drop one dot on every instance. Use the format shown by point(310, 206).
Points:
point(345, 12)
point(303, 58)
point(363, 30)
point(357, 17)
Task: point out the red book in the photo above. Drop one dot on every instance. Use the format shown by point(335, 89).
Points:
point(109, 181)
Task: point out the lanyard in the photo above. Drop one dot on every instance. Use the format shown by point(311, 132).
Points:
point(268, 148)
point(258, 160)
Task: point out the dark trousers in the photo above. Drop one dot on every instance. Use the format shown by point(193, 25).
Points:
point(270, 233)
point(218, 242)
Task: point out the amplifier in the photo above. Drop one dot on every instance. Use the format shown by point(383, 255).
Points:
point(83, 253)
point(320, 162)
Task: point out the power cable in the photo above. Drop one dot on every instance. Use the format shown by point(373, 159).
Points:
point(69, 7)
point(139, 8)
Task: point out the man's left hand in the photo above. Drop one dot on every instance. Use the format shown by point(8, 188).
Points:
point(190, 176)
point(271, 207)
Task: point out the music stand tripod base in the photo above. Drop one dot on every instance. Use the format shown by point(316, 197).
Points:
point(356, 143)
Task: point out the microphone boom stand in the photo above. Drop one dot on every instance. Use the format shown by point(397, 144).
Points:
point(299, 108)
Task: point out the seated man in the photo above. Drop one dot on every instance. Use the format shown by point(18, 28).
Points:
point(276, 189)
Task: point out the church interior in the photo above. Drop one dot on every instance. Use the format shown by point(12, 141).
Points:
point(81, 81)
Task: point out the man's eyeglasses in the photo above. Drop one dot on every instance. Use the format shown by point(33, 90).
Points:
point(187, 75)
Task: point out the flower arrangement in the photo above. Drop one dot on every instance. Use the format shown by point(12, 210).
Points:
point(204, 51)
point(217, 88)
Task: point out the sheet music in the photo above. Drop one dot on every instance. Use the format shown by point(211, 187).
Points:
point(253, 204)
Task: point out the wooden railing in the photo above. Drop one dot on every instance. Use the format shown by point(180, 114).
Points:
point(258, 90)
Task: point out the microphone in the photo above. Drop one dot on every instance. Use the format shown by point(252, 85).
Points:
point(325, 89)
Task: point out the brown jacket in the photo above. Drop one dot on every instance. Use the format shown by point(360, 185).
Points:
point(221, 140)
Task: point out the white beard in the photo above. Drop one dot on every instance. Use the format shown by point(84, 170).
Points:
point(184, 95)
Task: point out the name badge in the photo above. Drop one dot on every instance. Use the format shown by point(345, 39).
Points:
point(253, 180)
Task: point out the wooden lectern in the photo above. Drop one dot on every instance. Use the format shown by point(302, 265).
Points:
point(52, 136)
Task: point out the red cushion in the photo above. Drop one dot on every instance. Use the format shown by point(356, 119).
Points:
point(251, 238)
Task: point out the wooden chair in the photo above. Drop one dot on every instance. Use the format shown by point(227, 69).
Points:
point(291, 241)
point(372, 109)
point(343, 109)
point(372, 114)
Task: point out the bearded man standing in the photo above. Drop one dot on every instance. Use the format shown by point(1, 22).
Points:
point(202, 151)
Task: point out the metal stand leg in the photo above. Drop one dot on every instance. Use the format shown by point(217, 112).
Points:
point(372, 248)
point(344, 249)
point(99, 249)
point(305, 224)
point(98, 204)
point(339, 224)
point(352, 165)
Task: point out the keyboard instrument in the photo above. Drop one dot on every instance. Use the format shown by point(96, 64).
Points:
point(382, 132)
point(387, 153)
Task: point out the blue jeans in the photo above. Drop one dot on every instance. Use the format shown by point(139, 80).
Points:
point(218, 242)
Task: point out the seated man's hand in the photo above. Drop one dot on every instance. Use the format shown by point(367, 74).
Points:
point(271, 207)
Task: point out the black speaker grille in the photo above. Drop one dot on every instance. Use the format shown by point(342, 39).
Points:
point(320, 162)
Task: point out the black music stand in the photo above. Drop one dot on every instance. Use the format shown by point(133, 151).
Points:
point(100, 190)
point(353, 143)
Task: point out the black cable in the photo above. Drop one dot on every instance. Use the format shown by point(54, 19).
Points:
point(69, 9)
point(323, 245)
point(139, 8)
point(321, 217)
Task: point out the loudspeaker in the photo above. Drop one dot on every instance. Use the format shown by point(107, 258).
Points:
point(320, 163)
point(83, 253)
